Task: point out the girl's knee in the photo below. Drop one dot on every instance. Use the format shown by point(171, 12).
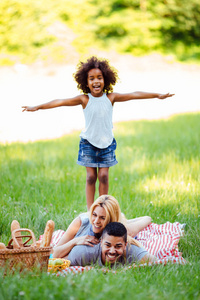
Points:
point(91, 178)
point(103, 178)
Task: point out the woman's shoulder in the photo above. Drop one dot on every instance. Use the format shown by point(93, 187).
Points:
point(84, 217)
point(84, 228)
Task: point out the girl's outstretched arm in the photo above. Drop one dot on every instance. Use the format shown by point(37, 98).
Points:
point(68, 240)
point(81, 99)
point(116, 97)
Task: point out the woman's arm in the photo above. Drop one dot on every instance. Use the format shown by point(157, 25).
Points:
point(81, 99)
point(68, 240)
point(116, 97)
point(134, 226)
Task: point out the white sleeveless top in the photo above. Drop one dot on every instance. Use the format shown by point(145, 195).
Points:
point(98, 121)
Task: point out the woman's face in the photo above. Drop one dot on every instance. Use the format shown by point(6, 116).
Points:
point(98, 219)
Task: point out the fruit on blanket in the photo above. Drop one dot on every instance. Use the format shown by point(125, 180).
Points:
point(51, 262)
point(56, 262)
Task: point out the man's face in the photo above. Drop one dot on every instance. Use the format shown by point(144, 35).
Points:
point(112, 247)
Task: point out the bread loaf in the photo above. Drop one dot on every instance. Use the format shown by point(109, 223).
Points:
point(46, 240)
point(2, 246)
point(15, 225)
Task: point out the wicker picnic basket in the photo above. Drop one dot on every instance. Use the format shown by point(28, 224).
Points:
point(27, 256)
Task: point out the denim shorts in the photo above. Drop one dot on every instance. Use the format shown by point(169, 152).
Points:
point(91, 156)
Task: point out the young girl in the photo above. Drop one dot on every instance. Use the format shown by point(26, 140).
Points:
point(96, 79)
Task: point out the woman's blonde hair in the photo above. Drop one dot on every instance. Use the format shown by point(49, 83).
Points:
point(113, 213)
point(111, 206)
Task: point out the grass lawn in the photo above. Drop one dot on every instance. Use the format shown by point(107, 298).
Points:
point(158, 174)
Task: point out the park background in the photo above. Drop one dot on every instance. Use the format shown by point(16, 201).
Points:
point(42, 42)
point(155, 47)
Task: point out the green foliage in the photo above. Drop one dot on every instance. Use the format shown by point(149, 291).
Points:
point(23, 29)
point(139, 27)
point(136, 27)
point(181, 20)
point(179, 26)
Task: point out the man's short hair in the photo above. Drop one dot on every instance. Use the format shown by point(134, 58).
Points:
point(115, 229)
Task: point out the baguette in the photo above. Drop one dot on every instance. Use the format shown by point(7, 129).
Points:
point(2, 246)
point(46, 240)
point(15, 225)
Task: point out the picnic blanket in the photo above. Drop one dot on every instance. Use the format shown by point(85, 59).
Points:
point(159, 240)
point(79, 269)
point(162, 240)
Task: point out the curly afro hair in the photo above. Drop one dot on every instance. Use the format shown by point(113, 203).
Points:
point(109, 74)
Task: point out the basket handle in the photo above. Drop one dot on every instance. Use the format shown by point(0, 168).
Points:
point(31, 236)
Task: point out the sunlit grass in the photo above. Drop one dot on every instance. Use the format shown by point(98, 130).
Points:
point(157, 175)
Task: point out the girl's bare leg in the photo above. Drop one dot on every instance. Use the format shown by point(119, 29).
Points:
point(91, 179)
point(103, 181)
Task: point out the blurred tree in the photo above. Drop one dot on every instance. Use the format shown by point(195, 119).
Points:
point(23, 27)
point(180, 20)
point(133, 26)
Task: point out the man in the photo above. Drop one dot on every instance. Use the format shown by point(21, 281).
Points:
point(112, 250)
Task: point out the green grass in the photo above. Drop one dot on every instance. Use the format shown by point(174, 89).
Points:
point(157, 175)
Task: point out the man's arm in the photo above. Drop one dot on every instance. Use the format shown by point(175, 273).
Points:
point(138, 255)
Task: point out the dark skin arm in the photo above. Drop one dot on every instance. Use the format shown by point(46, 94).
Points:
point(116, 97)
point(78, 100)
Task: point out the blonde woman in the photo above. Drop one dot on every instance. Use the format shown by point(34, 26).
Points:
point(87, 228)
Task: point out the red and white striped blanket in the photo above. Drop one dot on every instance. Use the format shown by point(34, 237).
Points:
point(162, 240)
point(159, 240)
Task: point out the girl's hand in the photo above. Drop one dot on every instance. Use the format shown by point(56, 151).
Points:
point(87, 240)
point(163, 96)
point(29, 108)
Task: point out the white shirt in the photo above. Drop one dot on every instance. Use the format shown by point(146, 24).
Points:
point(98, 121)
